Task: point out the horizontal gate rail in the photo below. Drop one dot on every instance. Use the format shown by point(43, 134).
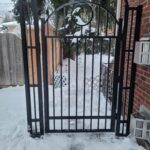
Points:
point(80, 117)
point(79, 131)
point(73, 36)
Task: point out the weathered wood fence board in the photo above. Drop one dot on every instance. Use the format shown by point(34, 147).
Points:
point(11, 61)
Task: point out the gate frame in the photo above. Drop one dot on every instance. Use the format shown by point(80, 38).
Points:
point(22, 10)
point(118, 76)
point(138, 17)
point(116, 69)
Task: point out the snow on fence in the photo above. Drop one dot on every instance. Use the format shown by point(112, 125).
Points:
point(11, 62)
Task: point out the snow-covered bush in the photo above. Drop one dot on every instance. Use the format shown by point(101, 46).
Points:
point(75, 25)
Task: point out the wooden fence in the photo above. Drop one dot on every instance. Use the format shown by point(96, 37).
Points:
point(11, 62)
point(32, 60)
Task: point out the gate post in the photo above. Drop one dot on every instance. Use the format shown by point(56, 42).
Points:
point(121, 70)
point(45, 75)
point(116, 75)
point(34, 105)
point(123, 125)
point(38, 57)
point(133, 69)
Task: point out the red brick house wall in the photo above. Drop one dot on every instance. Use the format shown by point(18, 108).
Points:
point(142, 82)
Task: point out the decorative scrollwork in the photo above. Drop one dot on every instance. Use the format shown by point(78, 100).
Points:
point(83, 14)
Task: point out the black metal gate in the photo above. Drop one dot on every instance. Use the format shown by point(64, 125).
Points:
point(74, 62)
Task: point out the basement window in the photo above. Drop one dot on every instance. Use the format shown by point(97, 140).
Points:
point(142, 51)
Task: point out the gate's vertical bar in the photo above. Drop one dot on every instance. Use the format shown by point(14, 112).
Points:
point(61, 88)
point(116, 75)
point(100, 81)
point(127, 63)
point(133, 69)
point(69, 86)
point(92, 86)
point(107, 85)
point(25, 63)
point(38, 58)
point(84, 92)
point(122, 69)
point(45, 76)
point(77, 83)
point(53, 74)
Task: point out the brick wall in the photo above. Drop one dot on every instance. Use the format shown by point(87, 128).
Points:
point(142, 83)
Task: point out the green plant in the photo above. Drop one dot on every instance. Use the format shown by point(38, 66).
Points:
point(17, 8)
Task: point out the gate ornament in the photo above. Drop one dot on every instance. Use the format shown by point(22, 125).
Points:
point(80, 14)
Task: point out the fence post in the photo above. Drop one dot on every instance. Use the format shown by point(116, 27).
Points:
point(25, 63)
point(122, 60)
point(45, 75)
point(130, 87)
point(133, 69)
point(38, 58)
point(24, 8)
point(116, 75)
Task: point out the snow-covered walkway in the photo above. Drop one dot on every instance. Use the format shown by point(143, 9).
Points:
point(14, 136)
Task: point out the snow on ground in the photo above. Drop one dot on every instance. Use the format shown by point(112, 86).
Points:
point(13, 126)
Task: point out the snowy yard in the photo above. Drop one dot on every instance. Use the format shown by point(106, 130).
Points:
point(13, 126)
point(14, 136)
